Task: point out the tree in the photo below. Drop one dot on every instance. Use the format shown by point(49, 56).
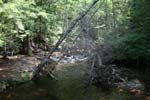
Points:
point(63, 37)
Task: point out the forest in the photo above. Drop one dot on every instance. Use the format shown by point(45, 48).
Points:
point(74, 50)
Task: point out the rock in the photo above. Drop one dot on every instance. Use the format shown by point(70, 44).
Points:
point(70, 59)
point(133, 86)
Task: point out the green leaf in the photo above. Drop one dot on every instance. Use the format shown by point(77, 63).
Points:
point(43, 14)
point(1, 43)
point(20, 25)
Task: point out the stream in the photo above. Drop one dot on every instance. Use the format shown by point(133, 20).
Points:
point(47, 89)
point(69, 85)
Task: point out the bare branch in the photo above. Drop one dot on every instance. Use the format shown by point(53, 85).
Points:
point(63, 37)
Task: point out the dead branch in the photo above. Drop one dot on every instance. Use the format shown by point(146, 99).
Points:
point(63, 37)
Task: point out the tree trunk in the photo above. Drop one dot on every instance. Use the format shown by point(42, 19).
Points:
point(63, 37)
point(26, 46)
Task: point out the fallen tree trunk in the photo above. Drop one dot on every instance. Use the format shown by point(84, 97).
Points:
point(62, 38)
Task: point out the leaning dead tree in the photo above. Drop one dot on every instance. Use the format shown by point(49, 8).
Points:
point(63, 37)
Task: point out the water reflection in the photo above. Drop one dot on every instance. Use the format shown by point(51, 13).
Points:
point(48, 89)
point(69, 86)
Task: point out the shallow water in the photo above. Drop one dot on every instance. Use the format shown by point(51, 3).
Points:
point(69, 86)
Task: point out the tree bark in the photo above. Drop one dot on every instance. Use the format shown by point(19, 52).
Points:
point(26, 46)
point(63, 37)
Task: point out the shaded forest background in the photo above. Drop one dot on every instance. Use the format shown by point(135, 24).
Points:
point(120, 28)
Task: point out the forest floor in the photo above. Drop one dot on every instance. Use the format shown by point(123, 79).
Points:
point(12, 67)
point(17, 67)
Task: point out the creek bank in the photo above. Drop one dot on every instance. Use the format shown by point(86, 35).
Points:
point(23, 71)
point(133, 86)
point(70, 85)
point(19, 69)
